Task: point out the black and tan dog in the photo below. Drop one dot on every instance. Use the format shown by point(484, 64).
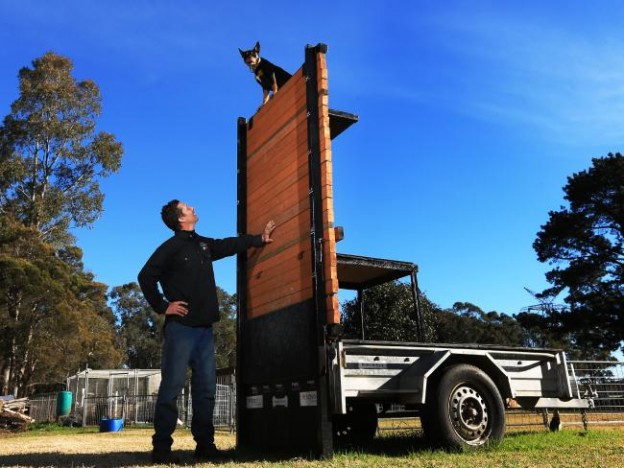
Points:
point(268, 75)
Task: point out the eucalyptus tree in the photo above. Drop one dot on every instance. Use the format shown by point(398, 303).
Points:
point(52, 156)
point(52, 314)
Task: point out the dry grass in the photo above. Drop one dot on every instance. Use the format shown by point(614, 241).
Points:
point(130, 448)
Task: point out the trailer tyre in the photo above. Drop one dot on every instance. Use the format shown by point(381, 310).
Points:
point(465, 409)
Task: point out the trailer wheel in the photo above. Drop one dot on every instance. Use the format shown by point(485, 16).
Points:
point(466, 409)
point(358, 426)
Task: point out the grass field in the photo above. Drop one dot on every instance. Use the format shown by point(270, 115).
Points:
point(77, 447)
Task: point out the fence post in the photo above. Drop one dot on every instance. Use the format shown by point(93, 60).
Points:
point(232, 405)
point(545, 417)
point(187, 416)
point(85, 398)
point(584, 419)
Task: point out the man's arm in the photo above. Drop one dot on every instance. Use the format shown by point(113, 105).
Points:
point(221, 248)
point(150, 275)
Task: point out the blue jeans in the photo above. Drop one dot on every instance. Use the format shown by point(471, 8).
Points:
point(186, 347)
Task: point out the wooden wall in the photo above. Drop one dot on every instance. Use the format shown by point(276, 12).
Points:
point(278, 187)
point(285, 174)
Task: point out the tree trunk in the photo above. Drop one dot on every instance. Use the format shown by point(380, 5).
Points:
point(6, 374)
point(22, 377)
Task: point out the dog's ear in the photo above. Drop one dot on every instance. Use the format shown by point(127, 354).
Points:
point(257, 48)
point(241, 52)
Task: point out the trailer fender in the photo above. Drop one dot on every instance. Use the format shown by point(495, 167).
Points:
point(426, 370)
point(416, 376)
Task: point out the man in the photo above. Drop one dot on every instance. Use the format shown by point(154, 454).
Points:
point(182, 266)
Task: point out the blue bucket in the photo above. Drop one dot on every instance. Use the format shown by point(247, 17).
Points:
point(111, 425)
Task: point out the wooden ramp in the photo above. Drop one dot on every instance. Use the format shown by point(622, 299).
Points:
point(287, 290)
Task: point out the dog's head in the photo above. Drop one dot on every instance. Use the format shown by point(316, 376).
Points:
point(251, 57)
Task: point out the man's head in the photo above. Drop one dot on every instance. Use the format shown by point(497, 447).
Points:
point(178, 215)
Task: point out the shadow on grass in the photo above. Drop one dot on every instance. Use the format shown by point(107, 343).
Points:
point(107, 460)
point(142, 458)
point(392, 445)
point(406, 443)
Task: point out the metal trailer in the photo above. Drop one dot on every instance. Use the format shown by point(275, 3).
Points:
point(458, 390)
point(302, 387)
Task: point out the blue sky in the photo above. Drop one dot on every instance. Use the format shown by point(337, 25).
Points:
point(472, 116)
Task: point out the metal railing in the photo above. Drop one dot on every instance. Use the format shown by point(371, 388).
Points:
point(133, 409)
point(604, 382)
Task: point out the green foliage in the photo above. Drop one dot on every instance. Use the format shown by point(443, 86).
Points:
point(36, 429)
point(467, 323)
point(140, 328)
point(51, 156)
point(225, 331)
point(388, 316)
point(53, 315)
point(585, 243)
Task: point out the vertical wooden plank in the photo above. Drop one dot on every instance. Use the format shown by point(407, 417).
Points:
point(329, 244)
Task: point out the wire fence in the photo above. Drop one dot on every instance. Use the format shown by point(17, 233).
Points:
point(132, 409)
point(603, 380)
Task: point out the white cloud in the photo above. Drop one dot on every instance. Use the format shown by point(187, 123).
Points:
point(564, 83)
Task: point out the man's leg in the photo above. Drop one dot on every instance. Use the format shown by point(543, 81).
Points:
point(175, 357)
point(203, 389)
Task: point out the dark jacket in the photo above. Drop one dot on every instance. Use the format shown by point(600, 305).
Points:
point(183, 267)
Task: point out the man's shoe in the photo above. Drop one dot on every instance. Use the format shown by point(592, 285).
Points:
point(164, 457)
point(209, 452)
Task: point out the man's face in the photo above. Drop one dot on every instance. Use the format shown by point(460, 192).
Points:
point(187, 214)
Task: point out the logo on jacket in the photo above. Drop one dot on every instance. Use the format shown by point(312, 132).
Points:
point(203, 245)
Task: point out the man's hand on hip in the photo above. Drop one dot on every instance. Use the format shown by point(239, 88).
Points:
point(177, 308)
